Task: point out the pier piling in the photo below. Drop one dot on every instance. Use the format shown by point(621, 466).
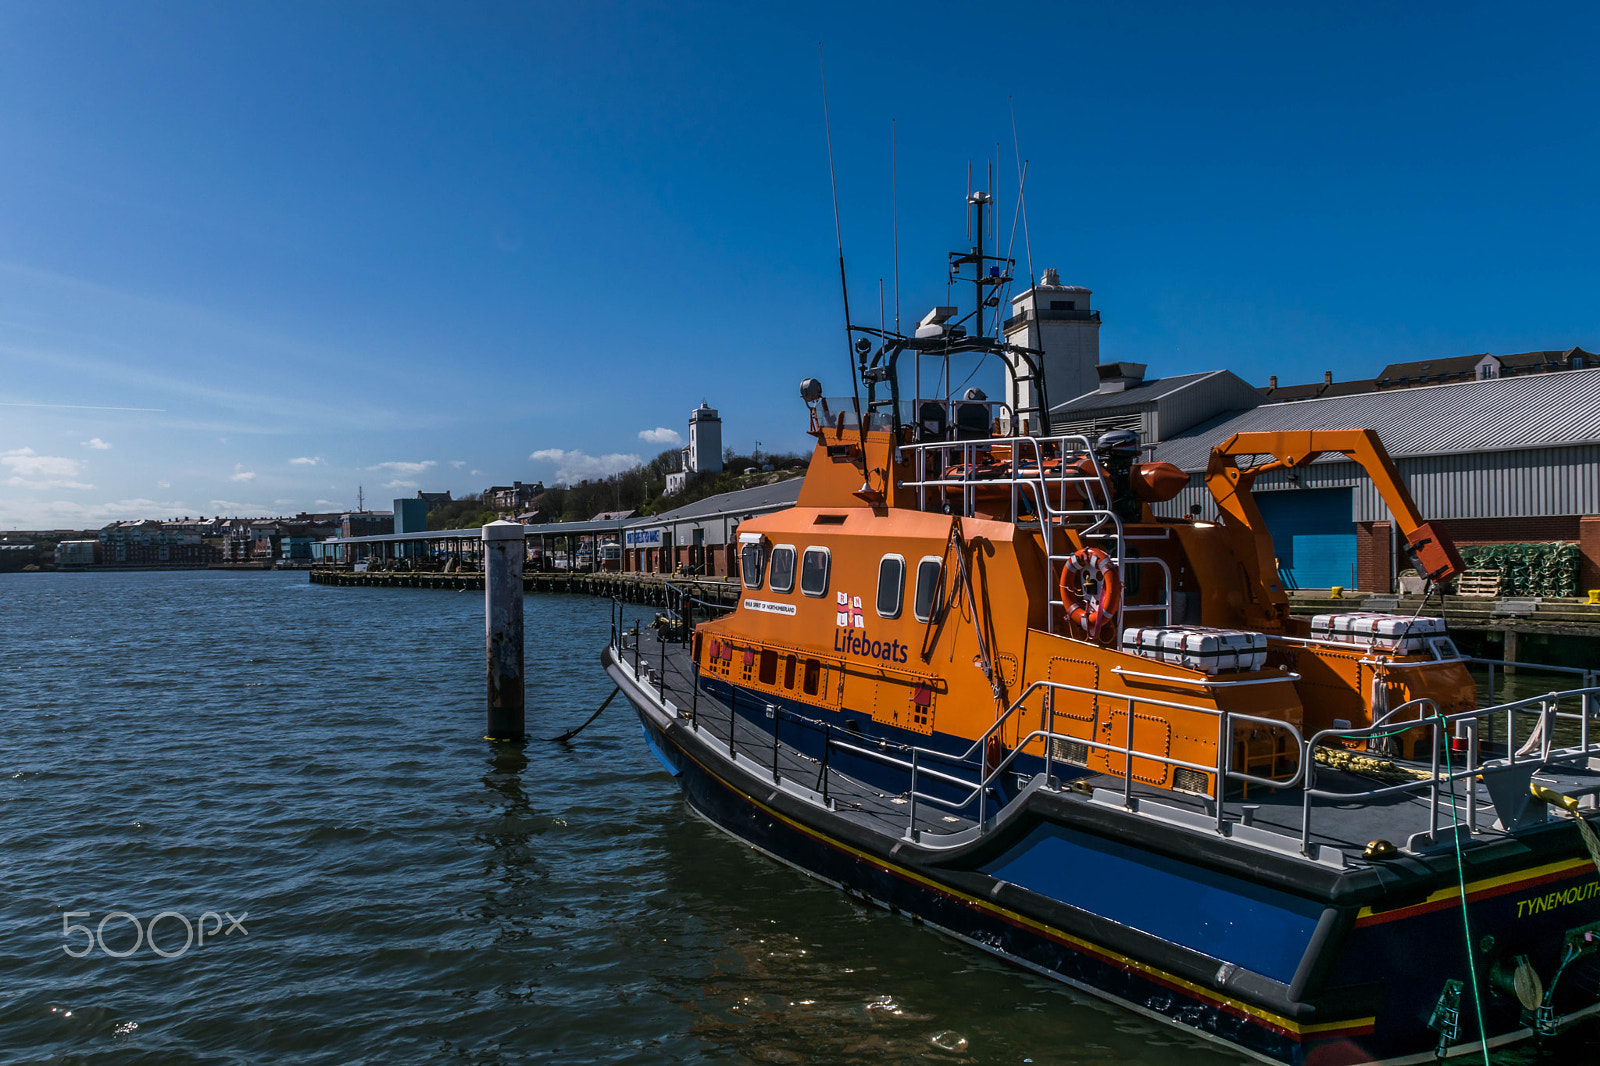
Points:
point(502, 595)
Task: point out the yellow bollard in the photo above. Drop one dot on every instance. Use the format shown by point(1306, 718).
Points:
point(1594, 595)
point(1336, 593)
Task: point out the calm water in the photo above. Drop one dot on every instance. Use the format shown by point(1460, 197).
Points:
point(310, 761)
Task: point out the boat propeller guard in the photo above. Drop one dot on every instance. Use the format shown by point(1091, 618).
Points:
point(1091, 590)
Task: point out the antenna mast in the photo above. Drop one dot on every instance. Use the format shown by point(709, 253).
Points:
point(838, 235)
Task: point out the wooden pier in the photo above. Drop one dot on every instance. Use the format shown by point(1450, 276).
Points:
point(649, 589)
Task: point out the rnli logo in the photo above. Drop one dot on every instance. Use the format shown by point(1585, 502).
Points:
point(849, 616)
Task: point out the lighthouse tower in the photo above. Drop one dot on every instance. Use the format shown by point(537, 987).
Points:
point(1057, 319)
point(704, 453)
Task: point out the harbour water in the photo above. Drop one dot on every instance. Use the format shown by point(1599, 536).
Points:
point(306, 765)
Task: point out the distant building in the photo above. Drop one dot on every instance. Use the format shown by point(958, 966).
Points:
point(1155, 408)
point(612, 516)
point(71, 554)
point(1058, 320)
point(366, 524)
point(513, 497)
point(410, 516)
point(434, 500)
point(1421, 372)
point(149, 543)
point(703, 455)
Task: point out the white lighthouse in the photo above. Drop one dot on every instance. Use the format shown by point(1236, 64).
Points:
point(704, 453)
point(1057, 319)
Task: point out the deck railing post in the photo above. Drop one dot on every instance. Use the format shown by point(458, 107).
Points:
point(911, 822)
point(776, 717)
point(1471, 785)
point(1224, 762)
point(661, 663)
point(1433, 783)
point(1127, 776)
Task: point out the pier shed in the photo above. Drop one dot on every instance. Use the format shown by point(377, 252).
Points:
point(1495, 460)
point(702, 536)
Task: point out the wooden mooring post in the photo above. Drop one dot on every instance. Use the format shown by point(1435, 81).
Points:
point(502, 627)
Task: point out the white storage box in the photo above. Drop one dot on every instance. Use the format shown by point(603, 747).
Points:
point(1211, 651)
point(1389, 632)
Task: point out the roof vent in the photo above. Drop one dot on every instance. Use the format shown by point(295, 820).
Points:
point(1115, 377)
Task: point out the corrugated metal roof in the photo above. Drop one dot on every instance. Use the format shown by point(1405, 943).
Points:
point(1538, 410)
point(782, 494)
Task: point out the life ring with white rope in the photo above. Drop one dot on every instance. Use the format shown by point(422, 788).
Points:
point(1091, 590)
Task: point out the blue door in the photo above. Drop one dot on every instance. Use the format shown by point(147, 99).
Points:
point(1313, 535)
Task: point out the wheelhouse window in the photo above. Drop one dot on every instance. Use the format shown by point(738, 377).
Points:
point(930, 588)
point(891, 586)
point(814, 572)
point(780, 574)
point(751, 560)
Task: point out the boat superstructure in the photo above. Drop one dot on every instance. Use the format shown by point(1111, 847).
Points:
point(974, 676)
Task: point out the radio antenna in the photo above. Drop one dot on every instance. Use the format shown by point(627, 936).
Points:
point(1022, 199)
point(894, 186)
point(838, 236)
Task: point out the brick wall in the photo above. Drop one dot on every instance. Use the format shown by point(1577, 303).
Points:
point(1588, 554)
point(1527, 530)
point(1372, 557)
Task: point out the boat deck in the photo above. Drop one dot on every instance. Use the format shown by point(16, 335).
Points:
point(1260, 816)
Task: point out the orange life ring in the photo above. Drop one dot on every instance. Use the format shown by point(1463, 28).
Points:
point(1083, 568)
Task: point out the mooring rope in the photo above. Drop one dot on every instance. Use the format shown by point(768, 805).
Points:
point(569, 734)
point(1461, 875)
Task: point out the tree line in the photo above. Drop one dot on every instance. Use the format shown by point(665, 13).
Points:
point(641, 489)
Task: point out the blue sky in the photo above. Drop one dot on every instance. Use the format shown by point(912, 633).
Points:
point(255, 255)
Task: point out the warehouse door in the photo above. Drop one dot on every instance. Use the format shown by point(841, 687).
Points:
point(1313, 535)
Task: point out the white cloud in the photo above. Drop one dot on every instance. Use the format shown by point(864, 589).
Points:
point(326, 503)
point(576, 466)
point(30, 470)
point(458, 463)
point(476, 473)
point(65, 514)
point(305, 461)
point(96, 443)
point(234, 507)
point(404, 468)
point(240, 474)
point(163, 484)
point(661, 435)
point(398, 484)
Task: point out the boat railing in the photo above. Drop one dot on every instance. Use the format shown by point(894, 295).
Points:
point(970, 776)
point(1065, 498)
point(1459, 731)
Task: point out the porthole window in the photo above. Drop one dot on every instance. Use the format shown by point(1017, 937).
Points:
point(930, 588)
point(780, 575)
point(751, 560)
point(891, 586)
point(814, 572)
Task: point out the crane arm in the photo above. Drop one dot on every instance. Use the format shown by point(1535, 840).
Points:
point(1433, 551)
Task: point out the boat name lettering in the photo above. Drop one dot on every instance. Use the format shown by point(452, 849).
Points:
point(1540, 904)
point(768, 607)
point(853, 642)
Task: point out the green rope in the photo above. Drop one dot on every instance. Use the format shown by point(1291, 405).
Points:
point(1461, 873)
